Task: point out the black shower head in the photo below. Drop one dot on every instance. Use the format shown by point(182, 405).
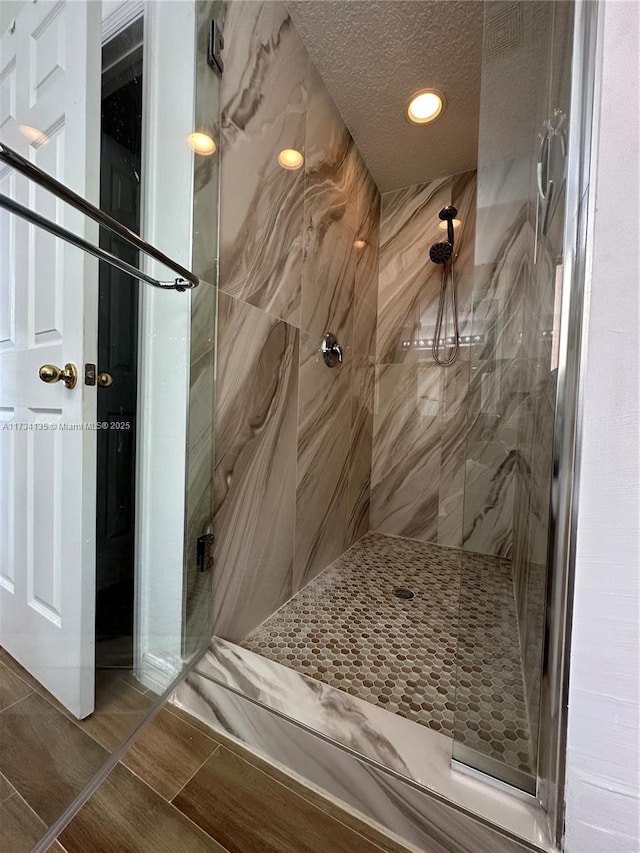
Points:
point(448, 212)
point(440, 253)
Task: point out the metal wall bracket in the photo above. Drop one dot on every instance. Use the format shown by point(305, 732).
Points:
point(214, 51)
point(204, 552)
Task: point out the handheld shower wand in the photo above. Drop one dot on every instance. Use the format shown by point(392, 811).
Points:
point(442, 253)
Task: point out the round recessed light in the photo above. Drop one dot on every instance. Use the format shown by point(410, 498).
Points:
point(36, 137)
point(425, 106)
point(201, 143)
point(291, 159)
point(359, 244)
point(443, 225)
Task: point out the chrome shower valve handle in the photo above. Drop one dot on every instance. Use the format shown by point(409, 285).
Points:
point(331, 350)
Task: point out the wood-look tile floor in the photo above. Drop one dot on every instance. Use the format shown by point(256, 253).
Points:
point(180, 787)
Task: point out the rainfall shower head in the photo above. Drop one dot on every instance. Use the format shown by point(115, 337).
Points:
point(440, 253)
point(448, 214)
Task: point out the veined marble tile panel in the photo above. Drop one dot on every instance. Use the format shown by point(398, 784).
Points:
point(413, 815)
point(330, 221)
point(488, 512)
point(361, 449)
point(409, 282)
point(405, 472)
point(206, 169)
point(364, 337)
point(492, 430)
point(255, 473)
point(264, 104)
point(367, 262)
point(463, 198)
point(324, 429)
point(453, 453)
point(500, 287)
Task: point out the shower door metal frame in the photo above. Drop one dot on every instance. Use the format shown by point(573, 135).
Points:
point(568, 416)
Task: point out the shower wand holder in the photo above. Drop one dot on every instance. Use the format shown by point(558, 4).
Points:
point(442, 253)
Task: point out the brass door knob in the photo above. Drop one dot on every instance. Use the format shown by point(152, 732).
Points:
point(49, 373)
point(104, 380)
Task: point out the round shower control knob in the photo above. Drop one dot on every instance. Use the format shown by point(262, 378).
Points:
point(331, 350)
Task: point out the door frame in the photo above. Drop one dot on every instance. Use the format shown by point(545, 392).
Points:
point(164, 326)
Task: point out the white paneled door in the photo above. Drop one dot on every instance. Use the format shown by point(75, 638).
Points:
point(49, 113)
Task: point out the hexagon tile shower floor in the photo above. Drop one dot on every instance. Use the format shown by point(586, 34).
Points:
point(424, 658)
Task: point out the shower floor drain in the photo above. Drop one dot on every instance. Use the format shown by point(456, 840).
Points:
point(403, 592)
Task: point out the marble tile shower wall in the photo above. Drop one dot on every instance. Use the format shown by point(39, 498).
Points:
point(293, 437)
point(420, 413)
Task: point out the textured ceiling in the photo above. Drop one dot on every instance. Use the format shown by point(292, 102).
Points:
point(374, 54)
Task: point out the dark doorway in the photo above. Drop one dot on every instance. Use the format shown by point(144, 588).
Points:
point(118, 351)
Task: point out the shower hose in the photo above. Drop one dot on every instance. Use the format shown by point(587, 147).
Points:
point(446, 274)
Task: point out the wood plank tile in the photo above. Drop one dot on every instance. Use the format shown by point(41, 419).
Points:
point(129, 678)
point(249, 812)
point(120, 705)
point(13, 665)
point(195, 722)
point(350, 820)
point(328, 806)
point(168, 753)
point(12, 688)
point(126, 816)
point(119, 709)
point(45, 756)
point(20, 827)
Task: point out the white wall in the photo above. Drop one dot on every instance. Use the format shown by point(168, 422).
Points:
point(603, 776)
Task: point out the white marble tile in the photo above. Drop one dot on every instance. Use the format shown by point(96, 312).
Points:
point(405, 470)
point(264, 103)
point(322, 462)
point(256, 433)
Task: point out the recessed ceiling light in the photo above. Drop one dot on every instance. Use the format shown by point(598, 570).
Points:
point(291, 159)
point(359, 244)
point(443, 225)
point(425, 106)
point(201, 143)
point(36, 137)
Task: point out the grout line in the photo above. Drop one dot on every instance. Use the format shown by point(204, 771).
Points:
point(17, 702)
point(144, 692)
point(11, 792)
point(16, 674)
point(186, 817)
point(195, 772)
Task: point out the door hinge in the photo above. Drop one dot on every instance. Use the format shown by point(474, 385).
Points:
point(204, 552)
point(214, 51)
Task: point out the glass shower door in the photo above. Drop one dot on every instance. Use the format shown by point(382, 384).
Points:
point(95, 373)
point(518, 264)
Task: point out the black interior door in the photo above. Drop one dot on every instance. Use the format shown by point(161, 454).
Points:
point(117, 357)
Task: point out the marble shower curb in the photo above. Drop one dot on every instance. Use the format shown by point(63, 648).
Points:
point(320, 733)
